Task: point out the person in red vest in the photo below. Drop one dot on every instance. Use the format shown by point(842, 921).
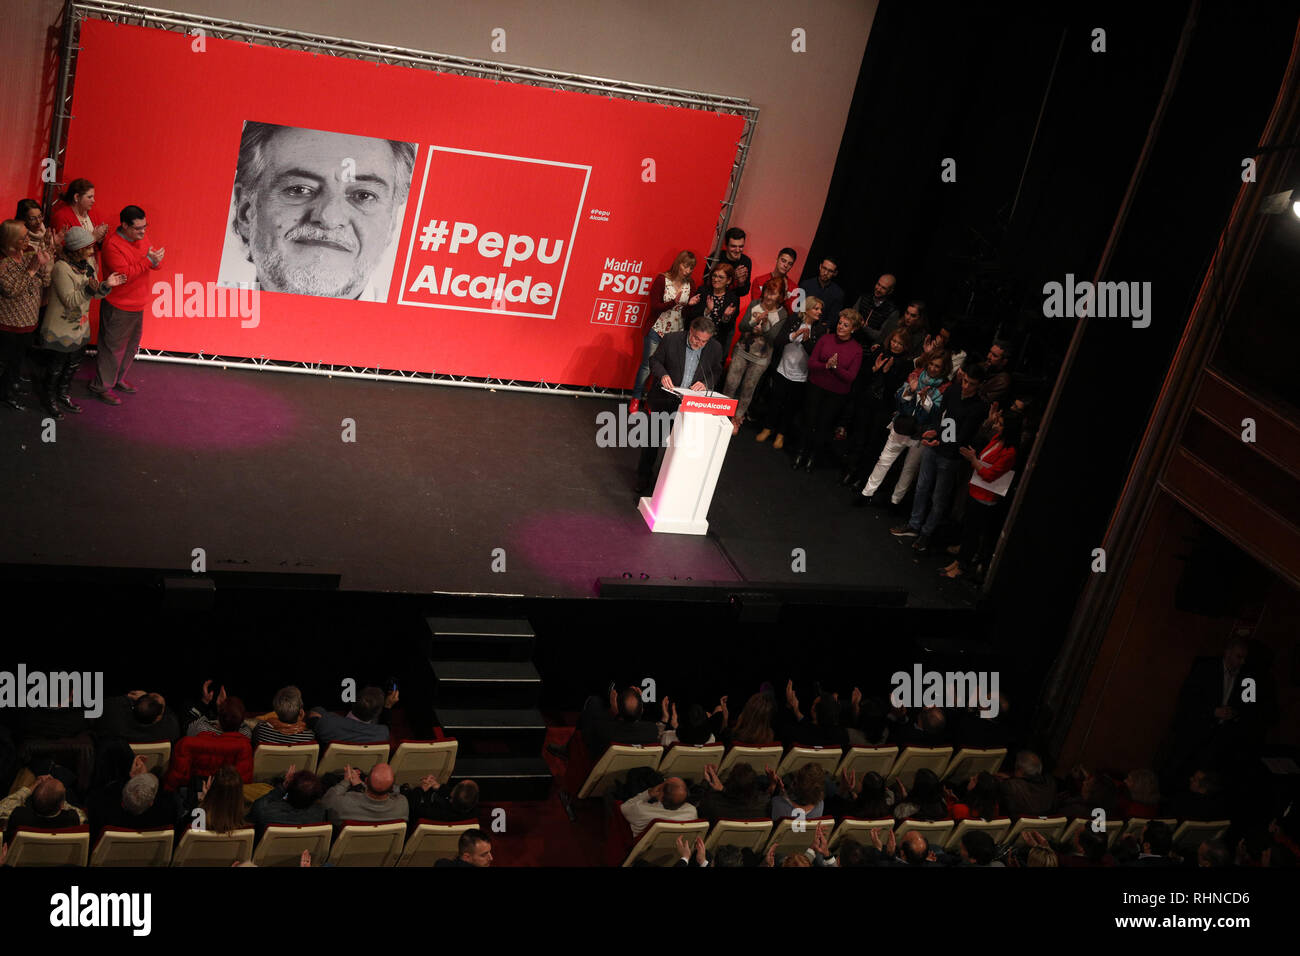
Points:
point(205, 753)
point(121, 314)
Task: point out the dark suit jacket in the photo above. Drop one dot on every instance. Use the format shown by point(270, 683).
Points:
point(670, 359)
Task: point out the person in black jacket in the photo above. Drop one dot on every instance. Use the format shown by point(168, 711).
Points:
point(694, 350)
point(963, 414)
point(787, 374)
point(473, 849)
point(886, 369)
point(718, 303)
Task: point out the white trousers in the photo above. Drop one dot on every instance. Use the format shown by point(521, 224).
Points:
point(894, 447)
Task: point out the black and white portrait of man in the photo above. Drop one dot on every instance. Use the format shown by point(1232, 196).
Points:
point(316, 213)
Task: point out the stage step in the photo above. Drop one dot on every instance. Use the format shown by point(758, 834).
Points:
point(505, 778)
point(486, 683)
point(495, 732)
point(479, 639)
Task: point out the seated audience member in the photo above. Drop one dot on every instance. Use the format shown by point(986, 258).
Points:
point(222, 802)
point(616, 722)
point(1157, 840)
point(832, 368)
point(201, 755)
point(373, 801)
point(139, 718)
point(473, 849)
point(698, 728)
point(868, 798)
point(1041, 856)
point(362, 725)
point(1204, 800)
point(788, 376)
point(731, 856)
point(917, 409)
point(137, 802)
point(205, 715)
point(820, 727)
point(1126, 850)
point(718, 303)
point(914, 850)
point(1030, 792)
point(1214, 853)
point(1088, 849)
point(754, 349)
point(981, 522)
point(754, 725)
point(980, 803)
point(295, 800)
point(998, 383)
point(971, 730)
point(806, 791)
point(923, 801)
point(664, 801)
point(928, 729)
point(288, 722)
point(42, 806)
point(1097, 791)
point(432, 801)
point(1140, 796)
point(977, 849)
point(822, 286)
point(739, 798)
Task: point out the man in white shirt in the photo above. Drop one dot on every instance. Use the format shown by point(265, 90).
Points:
point(666, 801)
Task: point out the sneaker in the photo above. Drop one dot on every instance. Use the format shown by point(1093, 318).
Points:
point(125, 386)
point(903, 531)
point(921, 544)
point(634, 406)
point(763, 435)
point(780, 442)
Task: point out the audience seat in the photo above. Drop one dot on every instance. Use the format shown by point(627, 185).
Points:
point(361, 756)
point(156, 754)
point(789, 840)
point(206, 848)
point(827, 757)
point(657, 846)
point(415, 759)
point(615, 764)
point(1190, 833)
point(935, 831)
point(746, 834)
point(368, 844)
point(1050, 827)
point(997, 829)
point(913, 759)
point(689, 760)
point(865, 760)
point(282, 844)
point(431, 842)
point(273, 760)
point(1113, 829)
point(119, 846)
point(759, 758)
point(967, 763)
point(1136, 825)
point(41, 847)
point(860, 830)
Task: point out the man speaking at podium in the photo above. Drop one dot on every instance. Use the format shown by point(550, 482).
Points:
point(688, 359)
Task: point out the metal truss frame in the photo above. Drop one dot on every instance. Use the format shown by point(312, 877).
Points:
point(76, 12)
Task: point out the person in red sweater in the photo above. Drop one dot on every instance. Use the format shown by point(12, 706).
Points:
point(121, 314)
point(204, 754)
point(74, 209)
point(832, 367)
point(785, 261)
point(985, 507)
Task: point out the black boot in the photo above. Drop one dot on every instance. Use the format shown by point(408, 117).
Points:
point(50, 388)
point(65, 385)
point(808, 463)
point(799, 460)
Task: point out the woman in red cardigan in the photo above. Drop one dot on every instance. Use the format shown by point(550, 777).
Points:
point(984, 508)
point(73, 209)
point(669, 294)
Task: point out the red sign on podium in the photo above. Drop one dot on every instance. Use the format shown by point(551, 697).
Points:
point(711, 404)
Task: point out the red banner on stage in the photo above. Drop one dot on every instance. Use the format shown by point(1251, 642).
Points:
point(391, 217)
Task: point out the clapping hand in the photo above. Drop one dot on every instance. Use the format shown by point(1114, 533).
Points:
point(820, 843)
point(203, 793)
point(429, 782)
point(711, 777)
point(352, 775)
point(833, 361)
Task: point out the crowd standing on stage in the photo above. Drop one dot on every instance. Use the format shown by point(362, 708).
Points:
point(862, 388)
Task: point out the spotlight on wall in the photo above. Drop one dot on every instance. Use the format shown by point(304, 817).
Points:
point(1278, 203)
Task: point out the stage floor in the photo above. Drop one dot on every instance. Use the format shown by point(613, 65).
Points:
point(252, 467)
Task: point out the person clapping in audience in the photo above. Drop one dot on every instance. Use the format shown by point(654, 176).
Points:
point(739, 798)
point(295, 800)
point(432, 801)
point(664, 801)
point(806, 791)
point(371, 801)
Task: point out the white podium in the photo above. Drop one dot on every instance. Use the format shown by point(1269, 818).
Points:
point(692, 461)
